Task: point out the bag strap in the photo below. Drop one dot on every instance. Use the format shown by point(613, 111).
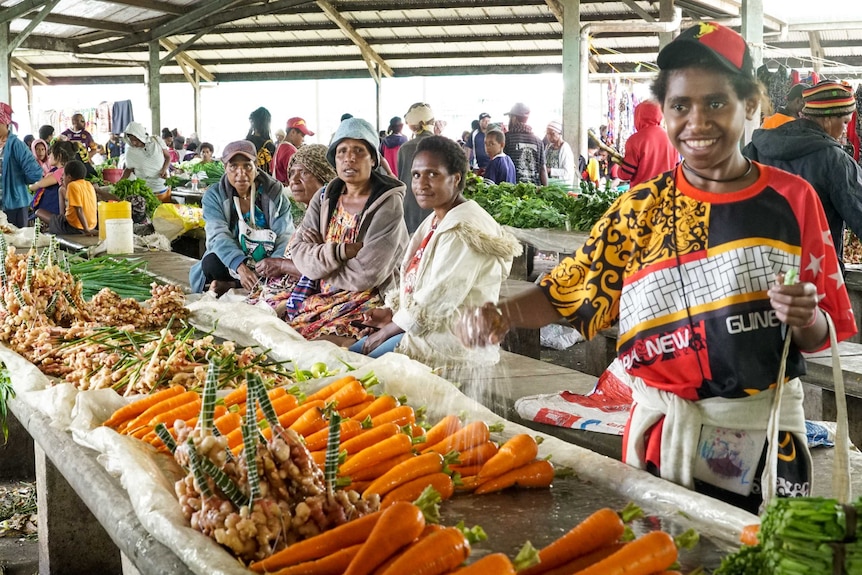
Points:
point(841, 489)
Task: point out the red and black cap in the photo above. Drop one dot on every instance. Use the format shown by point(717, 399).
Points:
point(708, 40)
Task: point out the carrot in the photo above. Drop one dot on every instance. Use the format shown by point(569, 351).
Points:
point(470, 435)
point(479, 454)
point(319, 458)
point(404, 472)
point(468, 483)
point(599, 529)
point(386, 449)
point(228, 422)
point(397, 527)
point(538, 473)
point(184, 411)
point(288, 419)
point(585, 561)
point(351, 394)
point(411, 490)
point(326, 543)
point(354, 409)
point(309, 422)
point(373, 472)
point(516, 452)
point(401, 416)
point(369, 437)
point(166, 404)
point(467, 470)
point(646, 555)
point(438, 553)
point(669, 573)
point(236, 396)
point(749, 535)
point(493, 564)
point(316, 441)
point(281, 405)
point(380, 405)
point(135, 408)
point(333, 564)
point(327, 390)
point(441, 430)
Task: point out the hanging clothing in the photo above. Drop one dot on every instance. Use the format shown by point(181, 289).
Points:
point(121, 116)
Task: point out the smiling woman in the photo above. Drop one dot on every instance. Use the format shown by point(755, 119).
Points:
point(676, 262)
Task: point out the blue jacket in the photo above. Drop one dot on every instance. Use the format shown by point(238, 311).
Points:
point(20, 169)
point(222, 223)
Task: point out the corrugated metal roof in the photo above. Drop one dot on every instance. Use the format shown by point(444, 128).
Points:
point(262, 39)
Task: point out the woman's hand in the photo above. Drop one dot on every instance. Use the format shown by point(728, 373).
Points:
point(351, 250)
point(482, 326)
point(273, 267)
point(247, 277)
point(796, 304)
point(311, 236)
point(380, 336)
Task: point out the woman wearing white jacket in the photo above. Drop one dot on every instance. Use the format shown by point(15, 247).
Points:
point(459, 256)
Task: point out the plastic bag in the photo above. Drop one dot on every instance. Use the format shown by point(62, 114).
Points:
point(558, 336)
point(173, 220)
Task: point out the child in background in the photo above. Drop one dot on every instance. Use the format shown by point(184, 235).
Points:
point(500, 168)
point(77, 204)
point(46, 192)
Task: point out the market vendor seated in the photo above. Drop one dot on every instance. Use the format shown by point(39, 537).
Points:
point(351, 239)
point(46, 192)
point(692, 266)
point(247, 221)
point(78, 213)
point(284, 288)
point(459, 256)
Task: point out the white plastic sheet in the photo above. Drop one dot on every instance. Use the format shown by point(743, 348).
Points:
point(149, 477)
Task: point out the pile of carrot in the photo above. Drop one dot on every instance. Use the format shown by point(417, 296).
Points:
point(593, 547)
point(393, 541)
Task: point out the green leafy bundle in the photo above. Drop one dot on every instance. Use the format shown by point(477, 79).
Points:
point(7, 392)
point(525, 205)
point(801, 536)
point(127, 277)
point(124, 189)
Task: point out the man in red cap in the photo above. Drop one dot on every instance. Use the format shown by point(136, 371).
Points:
point(297, 130)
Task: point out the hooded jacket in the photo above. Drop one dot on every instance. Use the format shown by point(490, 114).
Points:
point(466, 260)
point(222, 223)
point(803, 148)
point(381, 231)
point(20, 169)
point(648, 151)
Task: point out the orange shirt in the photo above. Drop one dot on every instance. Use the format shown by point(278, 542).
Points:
point(776, 120)
point(81, 193)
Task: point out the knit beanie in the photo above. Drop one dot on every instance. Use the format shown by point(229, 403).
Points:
point(355, 129)
point(313, 158)
point(828, 99)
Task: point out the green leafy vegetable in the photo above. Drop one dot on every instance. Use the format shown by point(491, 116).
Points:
point(125, 189)
point(125, 276)
point(7, 392)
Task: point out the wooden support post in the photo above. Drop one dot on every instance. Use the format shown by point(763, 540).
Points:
point(196, 86)
point(573, 90)
point(154, 78)
point(665, 14)
point(5, 64)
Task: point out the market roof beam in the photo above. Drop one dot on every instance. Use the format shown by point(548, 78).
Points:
point(49, 44)
point(36, 75)
point(105, 25)
point(18, 10)
point(389, 5)
point(154, 5)
point(638, 10)
point(28, 29)
point(368, 54)
point(183, 58)
point(412, 23)
point(214, 19)
point(556, 9)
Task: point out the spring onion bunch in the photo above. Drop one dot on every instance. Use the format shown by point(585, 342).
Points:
point(125, 276)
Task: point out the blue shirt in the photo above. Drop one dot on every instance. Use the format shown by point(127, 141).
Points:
point(501, 169)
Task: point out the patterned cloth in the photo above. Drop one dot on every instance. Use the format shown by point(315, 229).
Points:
point(333, 311)
point(413, 267)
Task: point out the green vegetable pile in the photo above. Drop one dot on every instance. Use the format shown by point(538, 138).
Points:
point(802, 536)
point(124, 189)
point(125, 276)
point(214, 171)
point(529, 206)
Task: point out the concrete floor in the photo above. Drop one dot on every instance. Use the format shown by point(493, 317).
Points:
point(18, 556)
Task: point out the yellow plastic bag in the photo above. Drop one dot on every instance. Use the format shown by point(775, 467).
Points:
point(173, 220)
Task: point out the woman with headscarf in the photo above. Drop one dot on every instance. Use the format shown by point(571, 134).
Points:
point(40, 152)
point(259, 135)
point(147, 157)
point(18, 169)
point(351, 239)
point(284, 288)
point(247, 223)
